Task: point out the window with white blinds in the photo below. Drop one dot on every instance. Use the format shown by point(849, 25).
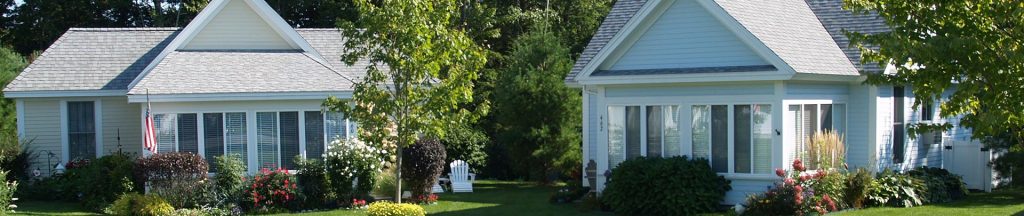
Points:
point(751, 145)
point(289, 140)
point(811, 118)
point(314, 134)
point(266, 140)
point(235, 136)
point(335, 126)
point(188, 133)
point(166, 132)
point(636, 131)
point(213, 137)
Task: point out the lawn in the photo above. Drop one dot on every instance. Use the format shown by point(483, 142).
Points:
point(491, 198)
point(1003, 202)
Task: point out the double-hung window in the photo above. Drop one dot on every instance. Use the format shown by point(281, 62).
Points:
point(81, 130)
point(811, 118)
point(635, 131)
point(750, 126)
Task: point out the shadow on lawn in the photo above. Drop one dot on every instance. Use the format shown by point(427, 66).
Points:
point(508, 198)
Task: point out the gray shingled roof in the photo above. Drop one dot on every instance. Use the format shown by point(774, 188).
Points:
point(789, 28)
point(111, 58)
point(200, 72)
point(93, 59)
point(836, 20)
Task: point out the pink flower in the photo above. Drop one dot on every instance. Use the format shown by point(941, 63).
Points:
point(780, 172)
point(799, 189)
point(805, 177)
point(789, 181)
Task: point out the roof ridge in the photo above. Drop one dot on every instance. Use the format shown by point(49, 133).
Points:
point(108, 29)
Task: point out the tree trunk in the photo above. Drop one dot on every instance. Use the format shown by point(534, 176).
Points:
point(398, 175)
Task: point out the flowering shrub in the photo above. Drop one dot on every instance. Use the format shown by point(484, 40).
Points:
point(394, 209)
point(136, 204)
point(272, 191)
point(349, 161)
point(77, 163)
point(7, 189)
point(425, 199)
point(358, 203)
point(795, 195)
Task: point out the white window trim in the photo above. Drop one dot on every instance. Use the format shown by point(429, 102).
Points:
point(731, 139)
point(643, 128)
point(65, 137)
point(820, 118)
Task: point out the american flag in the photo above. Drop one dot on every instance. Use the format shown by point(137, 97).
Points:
point(150, 140)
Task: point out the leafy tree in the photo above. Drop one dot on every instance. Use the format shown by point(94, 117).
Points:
point(539, 117)
point(467, 144)
point(422, 68)
point(37, 23)
point(314, 13)
point(10, 66)
point(971, 48)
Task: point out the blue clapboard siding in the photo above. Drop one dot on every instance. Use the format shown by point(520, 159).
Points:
point(687, 36)
point(804, 88)
point(858, 150)
point(745, 89)
point(741, 189)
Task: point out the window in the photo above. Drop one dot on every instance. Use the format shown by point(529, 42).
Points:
point(289, 139)
point(176, 132)
point(314, 134)
point(811, 118)
point(266, 140)
point(336, 126)
point(636, 131)
point(899, 131)
point(213, 136)
point(81, 130)
point(927, 112)
point(751, 132)
point(235, 136)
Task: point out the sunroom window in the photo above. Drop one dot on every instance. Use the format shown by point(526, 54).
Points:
point(811, 118)
point(751, 126)
point(635, 131)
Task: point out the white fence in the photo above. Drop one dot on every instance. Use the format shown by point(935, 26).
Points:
point(969, 159)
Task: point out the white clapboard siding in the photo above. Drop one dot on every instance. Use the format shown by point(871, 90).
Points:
point(687, 36)
point(237, 27)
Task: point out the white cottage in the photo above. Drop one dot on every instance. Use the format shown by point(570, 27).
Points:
point(742, 83)
point(236, 80)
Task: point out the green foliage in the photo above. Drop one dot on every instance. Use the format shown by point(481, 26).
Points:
point(11, 64)
point(175, 176)
point(272, 192)
point(894, 189)
point(466, 144)
point(832, 183)
point(14, 158)
point(424, 164)
point(572, 191)
point(966, 49)
point(229, 182)
point(102, 181)
point(349, 161)
point(858, 187)
point(394, 209)
point(313, 183)
point(7, 189)
point(140, 205)
point(670, 186)
point(940, 185)
point(385, 183)
point(202, 212)
point(422, 71)
point(539, 115)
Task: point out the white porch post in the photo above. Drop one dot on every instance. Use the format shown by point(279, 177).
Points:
point(602, 139)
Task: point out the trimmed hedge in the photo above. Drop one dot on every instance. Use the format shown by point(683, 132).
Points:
point(664, 186)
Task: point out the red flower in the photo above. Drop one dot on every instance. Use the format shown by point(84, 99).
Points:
point(789, 181)
point(805, 177)
point(799, 189)
point(780, 172)
point(798, 165)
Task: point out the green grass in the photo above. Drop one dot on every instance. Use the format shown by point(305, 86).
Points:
point(491, 198)
point(1002, 202)
point(50, 208)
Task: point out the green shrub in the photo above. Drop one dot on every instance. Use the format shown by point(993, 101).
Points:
point(570, 192)
point(202, 212)
point(894, 189)
point(422, 165)
point(175, 176)
point(272, 192)
point(664, 186)
point(313, 183)
point(350, 161)
point(467, 144)
point(940, 185)
point(140, 205)
point(797, 193)
point(832, 183)
point(858, 187)
point(393, 209)
point(7, 189)
point(386, 183)
point(229, 181)
point(100, 182)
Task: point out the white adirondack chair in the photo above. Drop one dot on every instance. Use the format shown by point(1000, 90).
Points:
point(462, 180)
